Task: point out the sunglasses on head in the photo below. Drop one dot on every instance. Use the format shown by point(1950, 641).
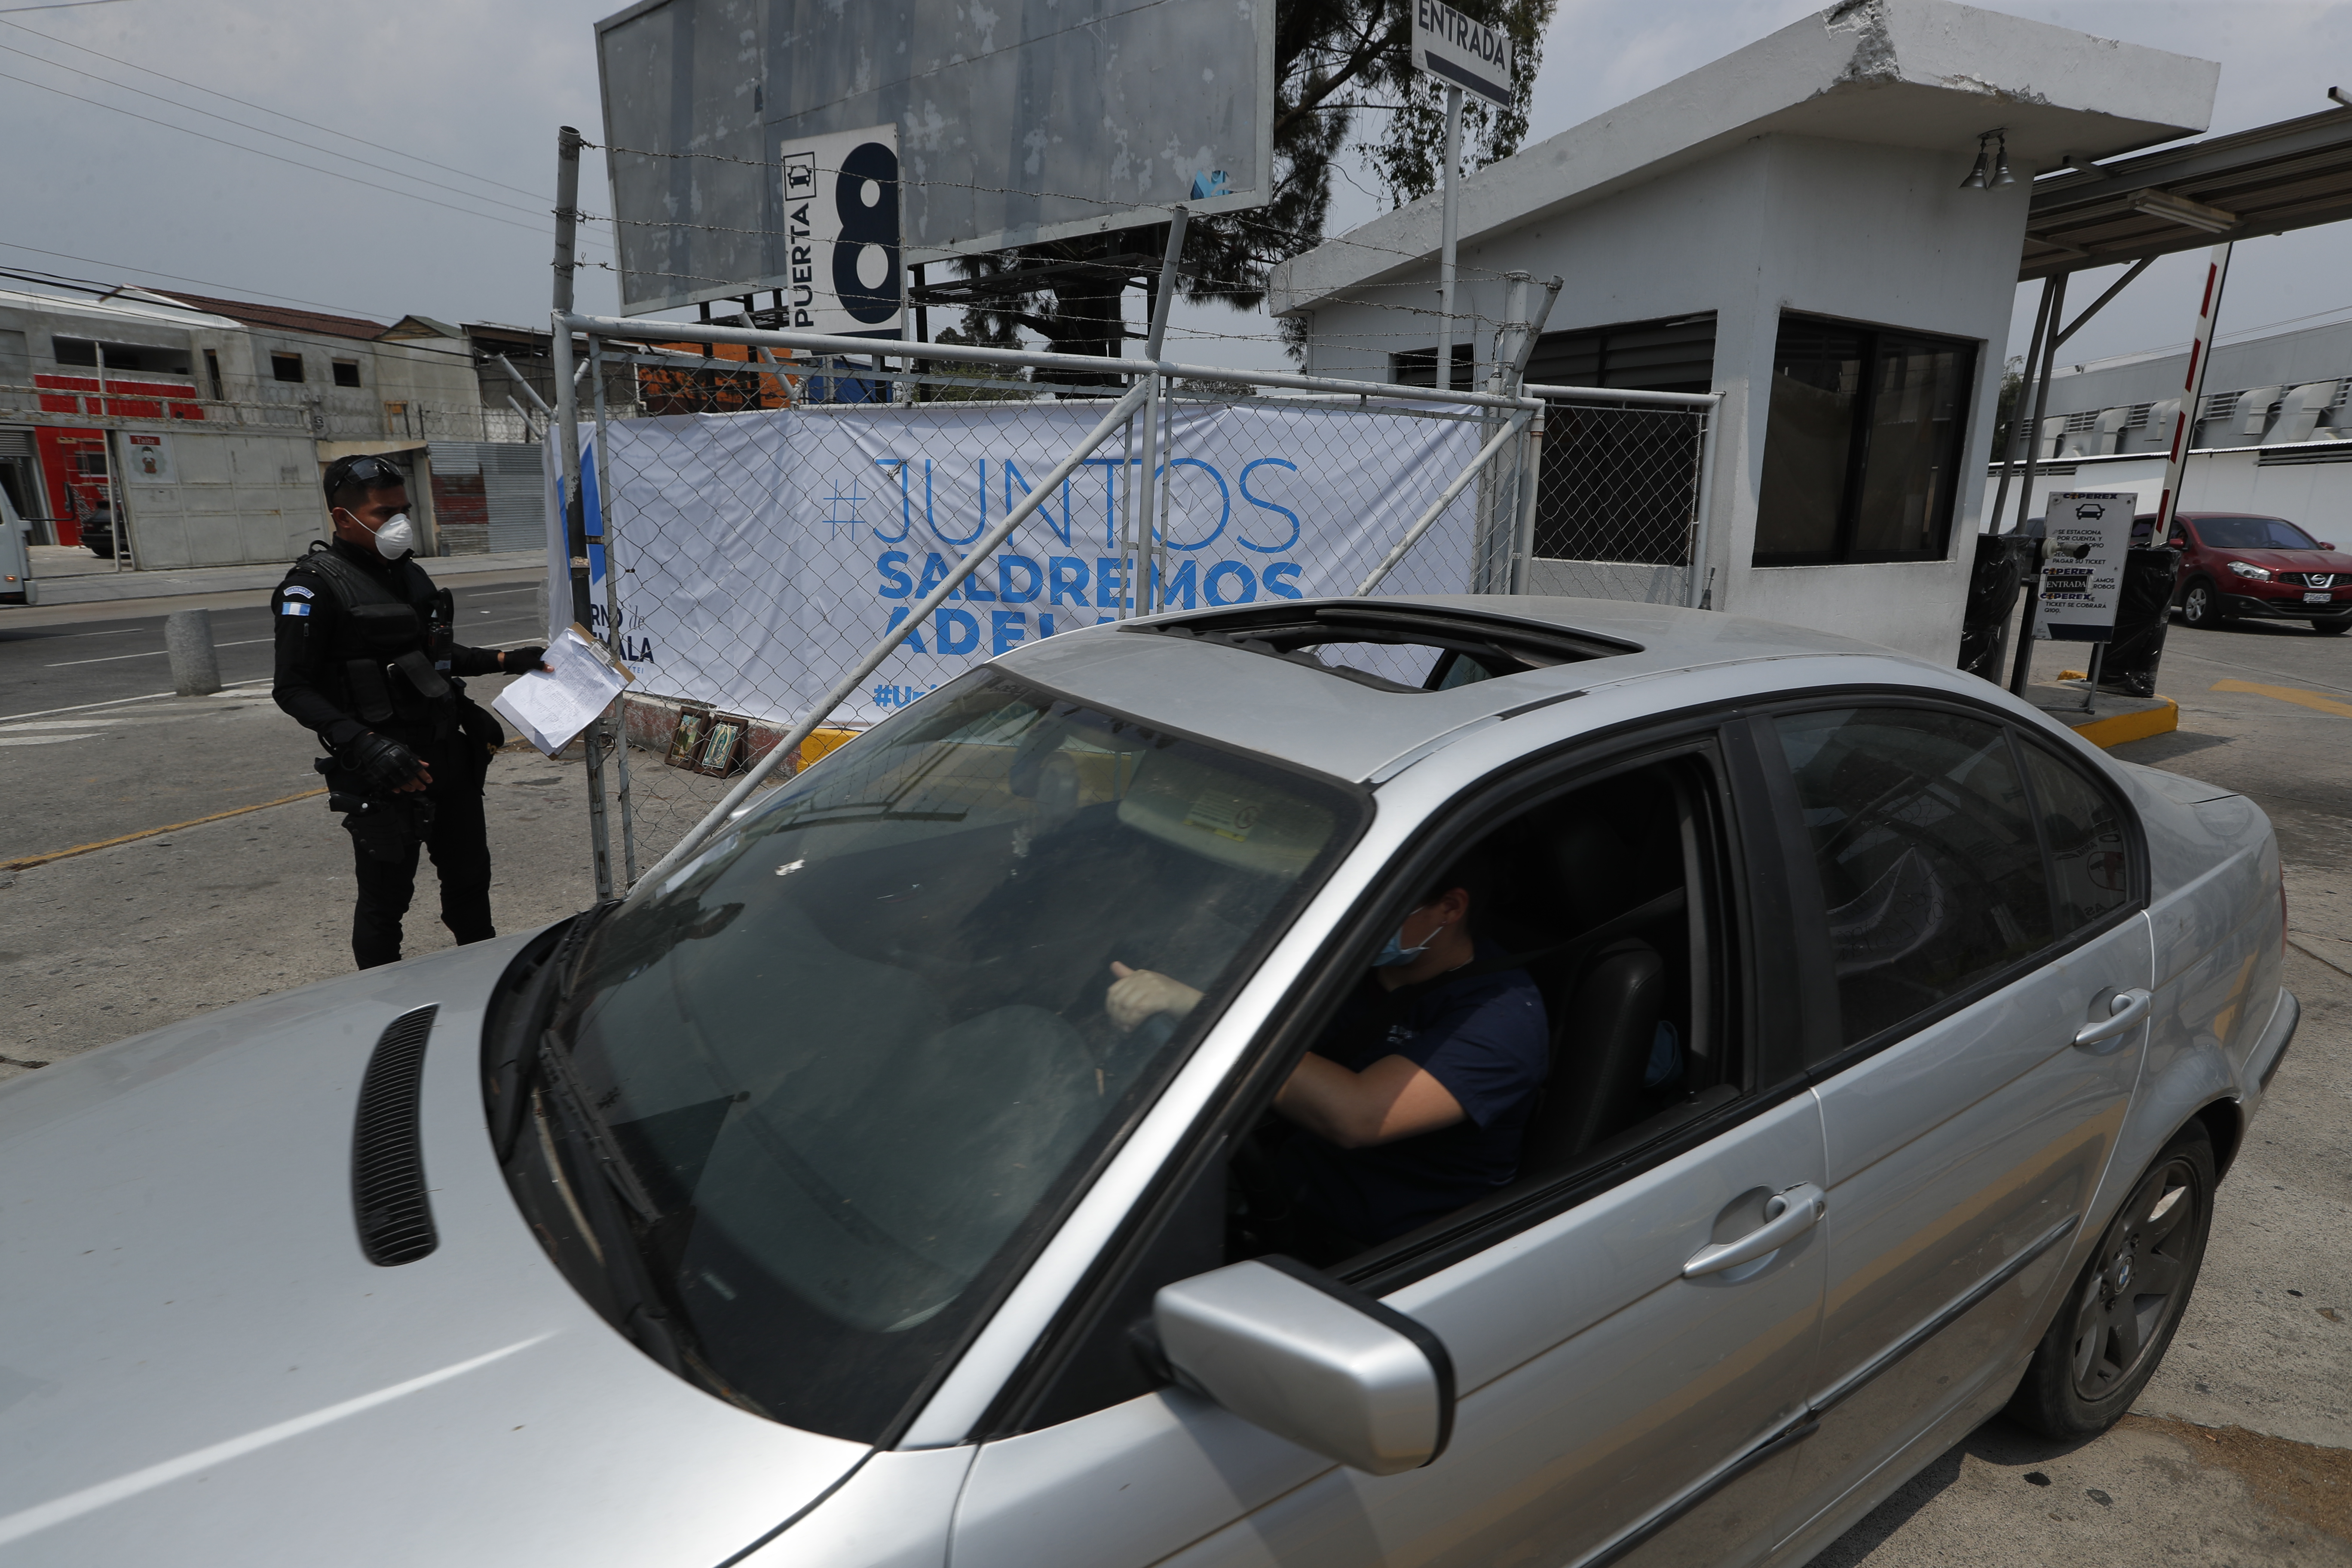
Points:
point(367, 473)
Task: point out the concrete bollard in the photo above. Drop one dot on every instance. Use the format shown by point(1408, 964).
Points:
point(188, 639)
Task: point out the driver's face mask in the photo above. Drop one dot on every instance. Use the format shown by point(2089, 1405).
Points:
point(1394, 952)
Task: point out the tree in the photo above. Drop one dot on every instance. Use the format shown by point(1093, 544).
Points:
point(1334, 60)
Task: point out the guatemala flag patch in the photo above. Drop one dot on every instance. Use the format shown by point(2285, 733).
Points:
point(293, 607)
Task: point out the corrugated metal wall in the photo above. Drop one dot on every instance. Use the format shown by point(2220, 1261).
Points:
point(488, 491)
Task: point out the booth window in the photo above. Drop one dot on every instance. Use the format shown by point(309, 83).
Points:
point(1862, 451)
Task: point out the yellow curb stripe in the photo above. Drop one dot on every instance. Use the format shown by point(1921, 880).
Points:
point(152, 832)
point(2119, 728)
point(2295, 694)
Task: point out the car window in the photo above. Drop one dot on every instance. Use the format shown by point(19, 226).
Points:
point(1929, 859)
point(2090, 865)
point(2252, 534)
point(857, 1052)
point(1602, 920)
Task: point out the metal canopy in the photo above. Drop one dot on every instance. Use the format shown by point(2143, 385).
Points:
point(2294, 175)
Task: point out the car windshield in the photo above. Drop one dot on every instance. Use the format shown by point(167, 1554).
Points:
point(2252, 534)
point(857, 1049)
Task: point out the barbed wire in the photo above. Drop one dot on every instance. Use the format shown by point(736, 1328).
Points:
point(1241, 219)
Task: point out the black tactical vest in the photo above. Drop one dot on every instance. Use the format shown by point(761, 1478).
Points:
point(387, 644)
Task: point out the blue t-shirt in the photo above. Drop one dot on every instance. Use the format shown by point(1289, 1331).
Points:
point(1485, 1040)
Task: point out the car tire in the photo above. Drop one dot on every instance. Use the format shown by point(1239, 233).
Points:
point(2201, 606)
point(2333, 625)
point(2109, 1338)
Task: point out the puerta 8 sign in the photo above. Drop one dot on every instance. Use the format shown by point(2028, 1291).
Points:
point(841, 213)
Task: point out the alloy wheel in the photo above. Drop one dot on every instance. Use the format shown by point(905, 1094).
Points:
point(2139, 1284)
point(2197, 605)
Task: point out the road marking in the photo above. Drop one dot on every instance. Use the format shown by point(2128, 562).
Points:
point(2295, 694)
point(155, 653)
point(42, 740)
point(119, 701)
point(151, 832)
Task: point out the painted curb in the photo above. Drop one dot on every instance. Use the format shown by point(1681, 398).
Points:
point(2123, 727)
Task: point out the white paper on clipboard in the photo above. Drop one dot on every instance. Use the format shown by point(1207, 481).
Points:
point(552, 706)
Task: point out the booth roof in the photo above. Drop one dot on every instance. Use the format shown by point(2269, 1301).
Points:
point(1906, 73)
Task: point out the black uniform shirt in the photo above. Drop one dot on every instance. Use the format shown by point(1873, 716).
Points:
point(309, 682)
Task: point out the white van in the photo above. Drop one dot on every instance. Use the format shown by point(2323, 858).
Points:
point(16, 585)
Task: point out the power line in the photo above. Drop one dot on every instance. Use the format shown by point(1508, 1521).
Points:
point(262, 130)
point(216, 92)
point(173, 276)
point(296, 162)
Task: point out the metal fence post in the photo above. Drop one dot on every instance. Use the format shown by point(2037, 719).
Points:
point(1695, 591)
point(1530, 486)
point(619, 718)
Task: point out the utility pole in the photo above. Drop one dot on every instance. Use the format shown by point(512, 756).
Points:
point(575, 512)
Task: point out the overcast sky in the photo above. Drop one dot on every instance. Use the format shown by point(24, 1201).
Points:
point(113, 182)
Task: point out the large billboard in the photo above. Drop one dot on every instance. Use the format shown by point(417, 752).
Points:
point(1012, 124)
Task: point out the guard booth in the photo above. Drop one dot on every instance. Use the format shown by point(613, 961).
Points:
point(1795, 226)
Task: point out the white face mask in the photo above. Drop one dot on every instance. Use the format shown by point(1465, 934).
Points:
point(396, 539)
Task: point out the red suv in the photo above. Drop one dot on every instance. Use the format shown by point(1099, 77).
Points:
point(2234, 564)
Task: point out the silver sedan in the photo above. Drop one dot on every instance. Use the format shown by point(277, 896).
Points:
point(925, 1172)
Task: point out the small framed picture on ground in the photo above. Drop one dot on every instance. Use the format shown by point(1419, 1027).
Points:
point(722, 744)
point(686, 740)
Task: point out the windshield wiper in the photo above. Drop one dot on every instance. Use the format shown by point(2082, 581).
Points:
point(644, 1309)
point(571, 1100)
point(511, 1073)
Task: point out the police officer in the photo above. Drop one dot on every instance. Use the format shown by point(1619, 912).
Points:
point(366, 657)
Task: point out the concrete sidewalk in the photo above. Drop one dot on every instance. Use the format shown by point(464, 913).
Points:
point(105, 585)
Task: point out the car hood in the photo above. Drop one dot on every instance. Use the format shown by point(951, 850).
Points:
point(200, 1365)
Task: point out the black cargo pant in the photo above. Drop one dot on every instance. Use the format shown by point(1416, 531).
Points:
point(460, 844)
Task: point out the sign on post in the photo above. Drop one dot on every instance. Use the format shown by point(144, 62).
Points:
point(1462, 51)
point(2089, 532)
point(841, 219)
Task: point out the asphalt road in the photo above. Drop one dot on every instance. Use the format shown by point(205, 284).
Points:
point(87, 752)
point(2240, 1452)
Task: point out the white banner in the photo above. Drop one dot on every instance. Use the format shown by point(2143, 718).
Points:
point(762, 553)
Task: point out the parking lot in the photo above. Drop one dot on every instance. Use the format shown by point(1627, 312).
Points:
point(2240, 1451)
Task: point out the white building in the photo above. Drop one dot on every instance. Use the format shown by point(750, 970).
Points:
point(1790, 217)
point(204, 424)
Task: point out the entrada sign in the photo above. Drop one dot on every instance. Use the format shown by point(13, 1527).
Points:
point(1462, 51)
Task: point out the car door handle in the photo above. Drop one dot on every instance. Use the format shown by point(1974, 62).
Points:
point(2124, 1011)
point(1786, 1215)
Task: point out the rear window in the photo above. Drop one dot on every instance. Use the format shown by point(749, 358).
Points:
point(856, 1051)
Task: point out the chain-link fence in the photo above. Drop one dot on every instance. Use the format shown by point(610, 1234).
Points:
point(1621, 505)
point(753, 562)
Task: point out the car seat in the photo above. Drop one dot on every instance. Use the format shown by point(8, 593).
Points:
point(1601, 1043)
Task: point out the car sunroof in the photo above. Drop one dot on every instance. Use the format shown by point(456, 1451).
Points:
point(1465, 646)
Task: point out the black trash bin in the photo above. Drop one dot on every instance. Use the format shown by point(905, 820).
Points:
point(2143, 612)
point(2003, 562)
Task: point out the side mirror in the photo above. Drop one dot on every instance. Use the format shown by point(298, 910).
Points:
point(1291, 1350)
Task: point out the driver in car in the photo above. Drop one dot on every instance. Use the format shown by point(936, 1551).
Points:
point(1413, 1100)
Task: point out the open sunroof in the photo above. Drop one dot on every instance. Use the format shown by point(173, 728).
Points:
point(1469, 645)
